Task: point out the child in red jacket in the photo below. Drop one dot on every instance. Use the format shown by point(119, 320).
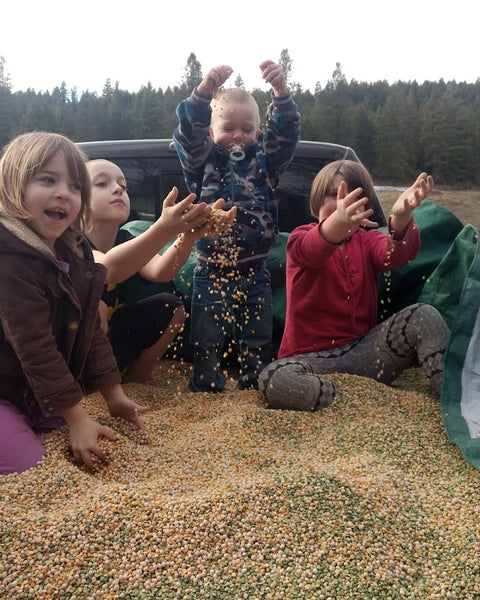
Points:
point(333, 269)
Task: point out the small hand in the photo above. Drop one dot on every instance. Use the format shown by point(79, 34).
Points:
point(275, 76)
point(351, 207)
point(218, 221)
point(103, 315)
point(184, 215)
point(214, 79)
point(413, 196)
point(121, 406)
point(83, 442)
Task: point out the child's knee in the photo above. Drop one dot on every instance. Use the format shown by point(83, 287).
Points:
point(292, 385)
point(20, 447)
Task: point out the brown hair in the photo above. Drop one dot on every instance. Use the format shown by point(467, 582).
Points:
point(26, 155)
point(353, 173)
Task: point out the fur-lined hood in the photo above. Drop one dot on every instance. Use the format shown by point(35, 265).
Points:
point(21, 231)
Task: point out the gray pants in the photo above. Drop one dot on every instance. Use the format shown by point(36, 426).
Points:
point(417, 331)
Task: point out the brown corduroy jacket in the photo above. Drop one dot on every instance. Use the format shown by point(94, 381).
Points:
point(52, 348)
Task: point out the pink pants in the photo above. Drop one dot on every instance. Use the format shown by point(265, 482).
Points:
point(20, 446)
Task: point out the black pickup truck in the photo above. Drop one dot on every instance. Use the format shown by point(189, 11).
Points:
point(152, 168)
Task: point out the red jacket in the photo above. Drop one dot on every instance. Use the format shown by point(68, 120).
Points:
point(332, 290)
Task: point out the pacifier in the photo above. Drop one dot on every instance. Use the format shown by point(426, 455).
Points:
point(236, 152)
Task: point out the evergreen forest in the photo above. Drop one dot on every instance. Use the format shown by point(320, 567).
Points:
point(397, 129)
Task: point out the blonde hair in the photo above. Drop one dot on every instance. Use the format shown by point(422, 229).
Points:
point(234, 95)
point(353, 173)
point(26, 155)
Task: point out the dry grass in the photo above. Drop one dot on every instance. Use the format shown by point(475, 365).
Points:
point(229, 500)
point(465, 204)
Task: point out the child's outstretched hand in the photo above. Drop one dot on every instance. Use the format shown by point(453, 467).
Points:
point(351, 207)
point(178, 217)
point(349, 214)
point(275, 76)
point(412, 197)
point(218, 221)
point(214, 79)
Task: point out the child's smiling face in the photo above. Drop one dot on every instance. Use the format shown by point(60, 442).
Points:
point(234, 122)
point(53, 199)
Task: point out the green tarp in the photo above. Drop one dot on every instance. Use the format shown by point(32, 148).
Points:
point(454, 288)
point(438, 228)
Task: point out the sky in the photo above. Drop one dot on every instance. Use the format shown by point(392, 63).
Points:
point(137, 42)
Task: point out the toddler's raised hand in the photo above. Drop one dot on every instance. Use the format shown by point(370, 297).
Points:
point(215, 78)
point(275, 76)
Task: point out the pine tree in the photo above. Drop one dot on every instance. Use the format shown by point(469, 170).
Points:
point(192, 73)
point(239, 83)
point(4, 76)
point(286, 63)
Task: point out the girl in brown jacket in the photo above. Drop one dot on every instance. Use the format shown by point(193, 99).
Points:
point(52, 348)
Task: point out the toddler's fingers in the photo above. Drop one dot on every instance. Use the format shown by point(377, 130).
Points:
point(220, 74)
point(266, 63)
point(273, 74)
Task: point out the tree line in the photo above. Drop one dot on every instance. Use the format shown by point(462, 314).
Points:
point(397, 129)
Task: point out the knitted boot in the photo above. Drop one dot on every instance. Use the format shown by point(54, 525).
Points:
point(291, 384)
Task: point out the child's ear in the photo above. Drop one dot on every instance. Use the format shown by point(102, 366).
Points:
point(257, 134)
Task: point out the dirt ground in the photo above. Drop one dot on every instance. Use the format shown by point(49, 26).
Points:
point(465, 204)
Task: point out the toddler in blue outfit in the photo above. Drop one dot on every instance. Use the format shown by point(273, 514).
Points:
point(224, 154)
